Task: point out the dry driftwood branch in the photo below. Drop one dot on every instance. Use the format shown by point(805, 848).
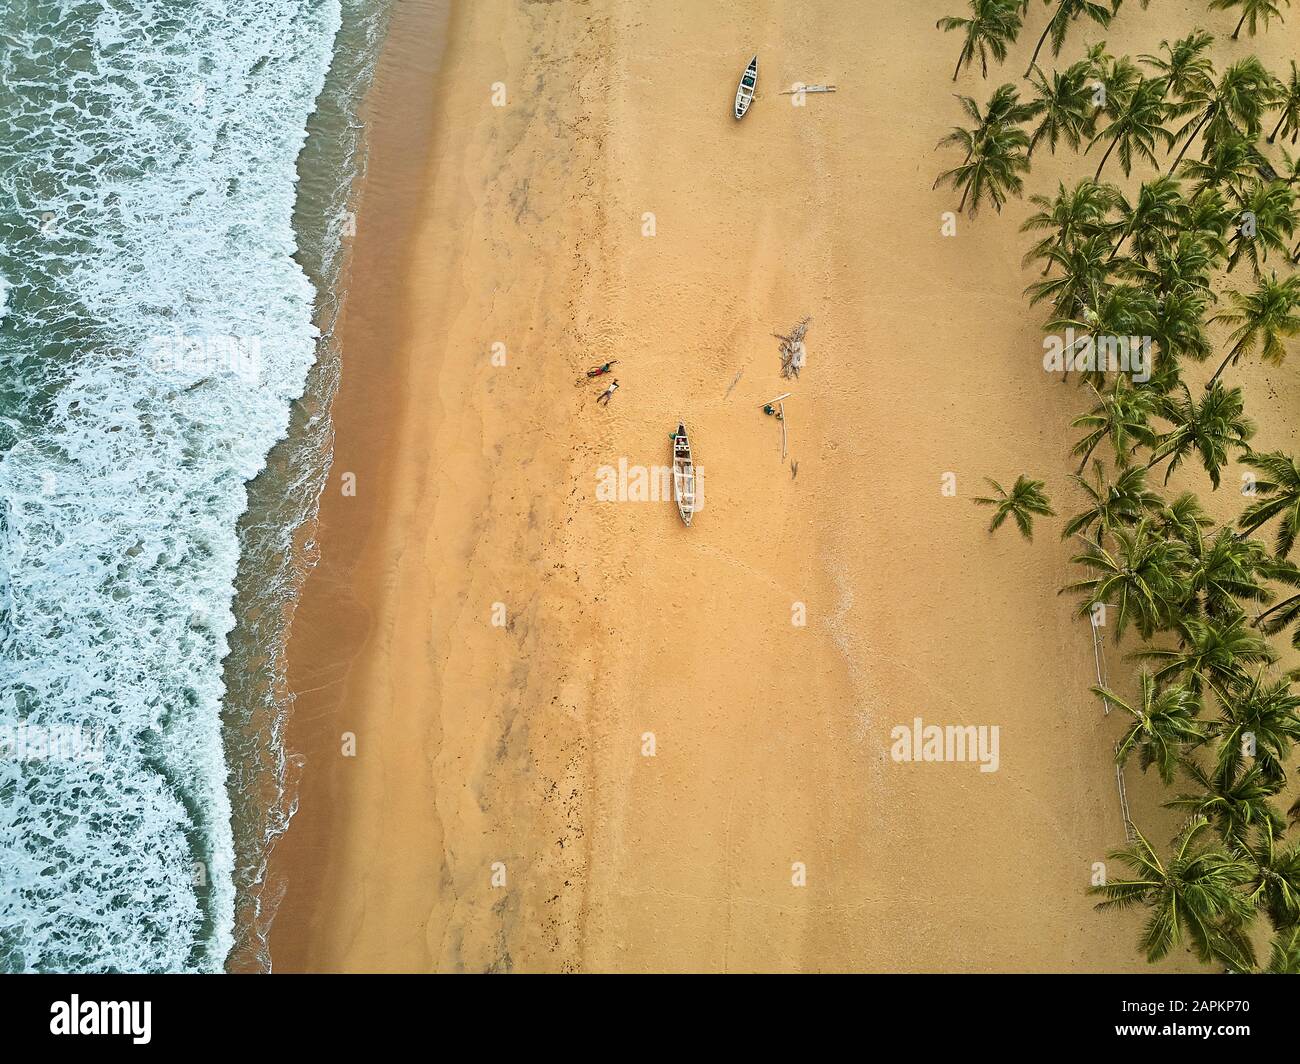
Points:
point(792, 349)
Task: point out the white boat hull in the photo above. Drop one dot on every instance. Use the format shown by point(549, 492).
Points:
point(748, 83)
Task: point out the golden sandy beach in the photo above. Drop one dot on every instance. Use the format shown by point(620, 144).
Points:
point(500, 812)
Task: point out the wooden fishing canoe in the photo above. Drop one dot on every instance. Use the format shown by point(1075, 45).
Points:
point(745, 94)
point(683, 475)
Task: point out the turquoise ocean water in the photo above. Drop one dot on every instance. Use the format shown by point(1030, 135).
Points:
point(174, 182)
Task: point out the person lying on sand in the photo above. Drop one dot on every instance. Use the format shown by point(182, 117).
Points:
point(604, 396)
point(601, 370)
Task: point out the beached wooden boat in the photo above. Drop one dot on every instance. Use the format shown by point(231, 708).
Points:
point(745, 94)
point(683, 475)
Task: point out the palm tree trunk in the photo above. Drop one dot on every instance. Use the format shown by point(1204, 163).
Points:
point(1088, 453)
point(1128, 229)
point(962, 206)
point(1222, 366)
point(1191, 137)
point(1274, 609)
point(1240, 24)
point(1034, 59)
point(959, 62)
point(1102, 164)
point(1273, 136)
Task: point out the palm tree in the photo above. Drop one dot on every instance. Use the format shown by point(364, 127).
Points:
point(1164, 722)
point(1235, 802)
point(1070, 217)
point(1277, 495)
point(1083, 274)
point(1275, 877)
point(1267, 222)
point(1096, 60)
point(1264, 318)
point(1118, 77)
point(1269, 712)
point(1286, 611)
point(1290, 168)
point(1061, 108)
point(1025, 499)
point(1178, 325)
point(1209, 216)
point(1123, 416)
point(1229, 163)
point(1066, 12)
point(1182, 519)
point(1004, 108)
point(1155, 216)
point(1234, 106)
point(1183, 67)
point(1197, 895)
point(1224, 570)
point(1173, 265)
point(1288, 123)
point(995, 152)
point(1284, 957)
point(1255, 10)
point(1278, 616)
point(1106, 324)
point(1211, 653)
point(1138, 126)
point(1141, 576)
point(1211, 429)
point(1112, 504)
point(991, 27)
point(1166, 374)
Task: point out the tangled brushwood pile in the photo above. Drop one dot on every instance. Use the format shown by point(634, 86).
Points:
point(792, 349)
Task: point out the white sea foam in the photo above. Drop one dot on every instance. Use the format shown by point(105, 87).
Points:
point(150, 151)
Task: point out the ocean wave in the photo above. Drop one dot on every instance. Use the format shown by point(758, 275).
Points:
point(157, 331)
